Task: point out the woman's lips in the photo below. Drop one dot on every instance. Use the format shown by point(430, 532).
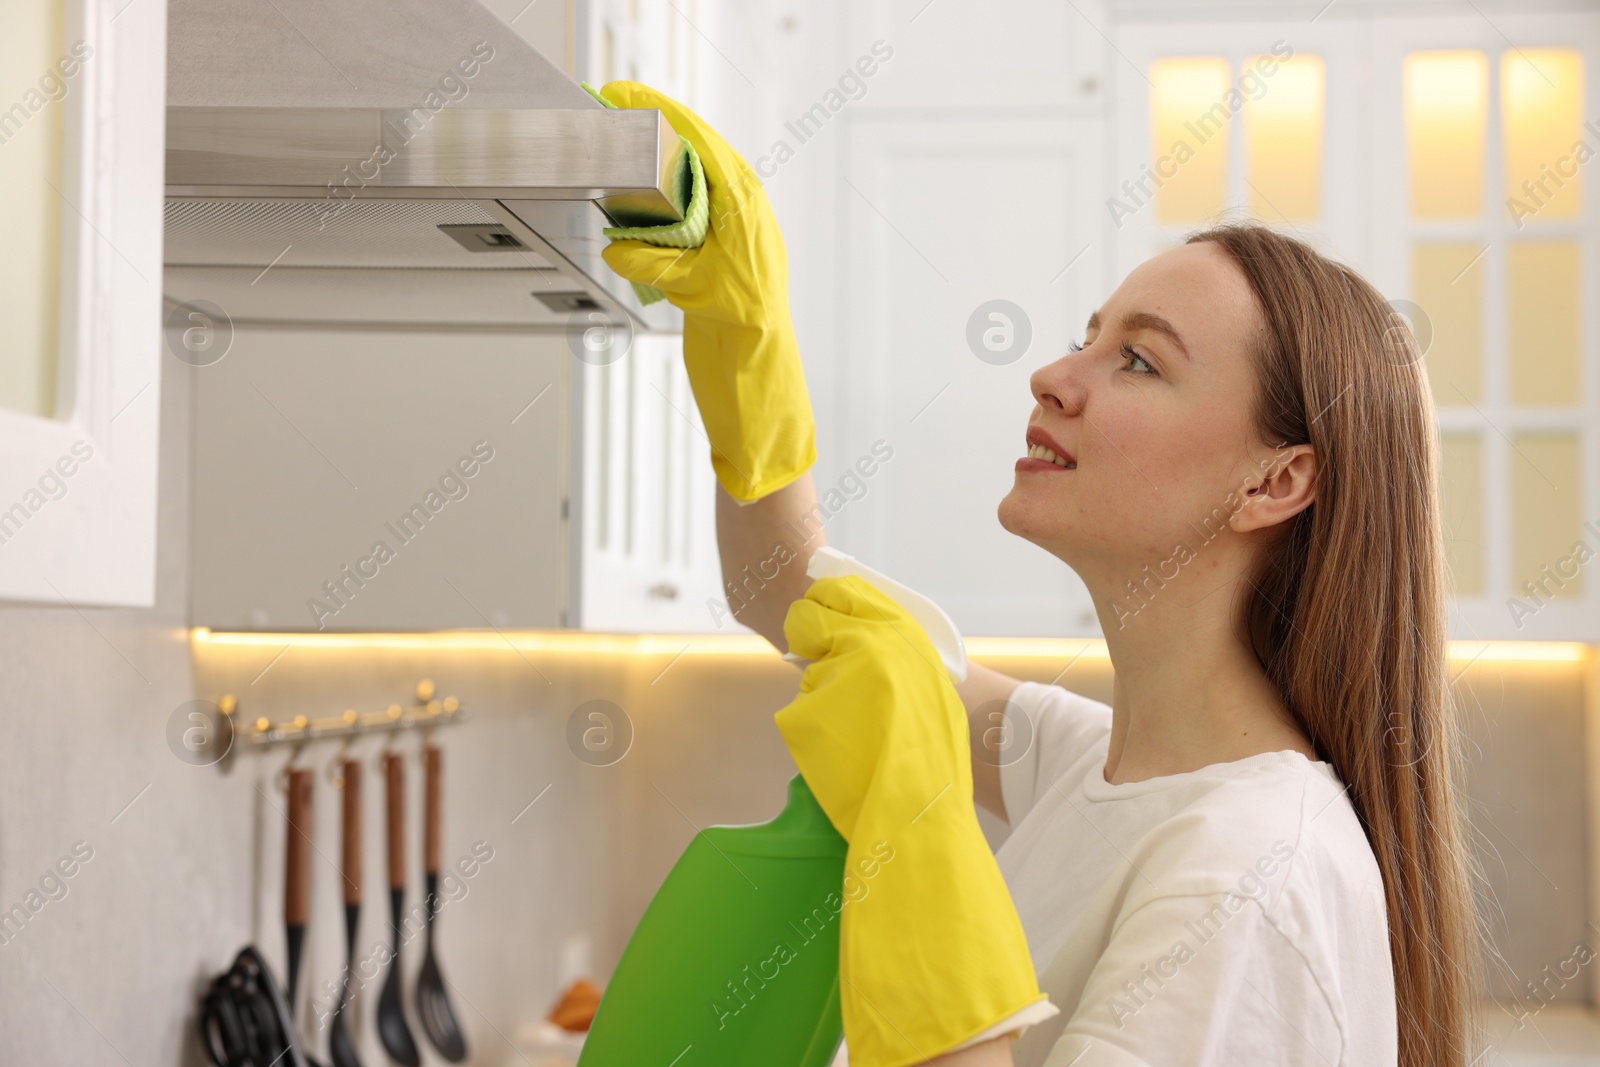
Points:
point(1028, 463)
point(1044, 454)
point(1041, 446)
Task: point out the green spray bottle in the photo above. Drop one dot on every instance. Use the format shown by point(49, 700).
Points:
point(735, 963)
point(736, 960)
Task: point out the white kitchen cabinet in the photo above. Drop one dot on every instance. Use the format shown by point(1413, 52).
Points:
point(1503, 282)
point(81, 135)
point(646, 533)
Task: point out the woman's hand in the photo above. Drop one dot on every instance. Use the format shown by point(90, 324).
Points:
point(874, 678)
point(738, 340)
point(931, 949)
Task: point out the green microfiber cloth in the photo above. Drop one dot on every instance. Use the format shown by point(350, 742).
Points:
point(688, 194)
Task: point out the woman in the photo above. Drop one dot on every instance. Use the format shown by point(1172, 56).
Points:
point(1254, 853)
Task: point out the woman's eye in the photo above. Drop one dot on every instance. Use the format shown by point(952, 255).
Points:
point(1073, 346)
point(1133, 357)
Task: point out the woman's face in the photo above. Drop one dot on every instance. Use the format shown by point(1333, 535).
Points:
point(1155, 414)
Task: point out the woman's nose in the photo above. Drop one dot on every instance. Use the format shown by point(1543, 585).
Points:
point(1059, 385)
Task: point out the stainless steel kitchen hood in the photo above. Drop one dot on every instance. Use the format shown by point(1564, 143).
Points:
point(397, 162)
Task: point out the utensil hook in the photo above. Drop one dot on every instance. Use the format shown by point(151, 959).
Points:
point(334, 771)
point(296, 752)
point(394, 711)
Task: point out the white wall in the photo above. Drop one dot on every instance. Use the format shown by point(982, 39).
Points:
point(108, 970)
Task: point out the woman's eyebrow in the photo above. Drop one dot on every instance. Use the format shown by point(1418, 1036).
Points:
point(1143, 320)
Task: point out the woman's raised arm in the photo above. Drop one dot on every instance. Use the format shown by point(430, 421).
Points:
point(765, 547)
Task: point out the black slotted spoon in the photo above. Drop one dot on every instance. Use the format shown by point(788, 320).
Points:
point(433, 1003)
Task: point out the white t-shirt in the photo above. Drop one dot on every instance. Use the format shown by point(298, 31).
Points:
point(1230, 915)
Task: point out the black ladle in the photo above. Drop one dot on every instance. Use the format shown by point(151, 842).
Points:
point(339, 1044)
point(433, 1003)
point(392, 1028)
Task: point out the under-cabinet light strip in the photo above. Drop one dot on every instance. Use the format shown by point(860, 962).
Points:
point(579, 642)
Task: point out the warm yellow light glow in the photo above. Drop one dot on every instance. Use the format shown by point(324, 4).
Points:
point(1189, 120)
point(565, 642)
point(1283, 139)
point(1446, 108)
point(1546, 520)
point(571, 642)
point(1541, 106)
point(1544, 299)
point(1518, 651)
point(1447, 278)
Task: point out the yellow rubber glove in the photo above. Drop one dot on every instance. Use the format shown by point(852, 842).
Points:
point(933, 954)
point(738, 341)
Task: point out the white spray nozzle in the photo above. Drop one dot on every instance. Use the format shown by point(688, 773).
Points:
point(829, 562)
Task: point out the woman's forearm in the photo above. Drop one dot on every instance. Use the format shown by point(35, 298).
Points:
point(765, 547)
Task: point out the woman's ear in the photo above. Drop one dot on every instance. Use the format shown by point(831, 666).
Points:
point(1280, 488)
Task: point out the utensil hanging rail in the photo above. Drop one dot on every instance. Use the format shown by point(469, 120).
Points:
point(426, 713)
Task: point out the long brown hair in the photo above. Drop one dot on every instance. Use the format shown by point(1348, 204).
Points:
point(1347, 609)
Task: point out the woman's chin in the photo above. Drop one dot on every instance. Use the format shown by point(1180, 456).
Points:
point(1010, 513)
point(1025, 520)
point(1029, 514)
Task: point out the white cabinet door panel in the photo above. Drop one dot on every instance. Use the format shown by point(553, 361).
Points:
point(313, 449)
point(647, 556)
point(950, 56)
point(940, 217)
